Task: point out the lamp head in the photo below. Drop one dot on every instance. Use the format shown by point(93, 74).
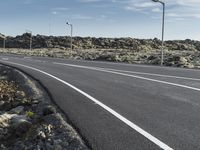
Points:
point(155, 0)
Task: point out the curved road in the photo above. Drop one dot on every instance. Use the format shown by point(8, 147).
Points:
point(117, 106)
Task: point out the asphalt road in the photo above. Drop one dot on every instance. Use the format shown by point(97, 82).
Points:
point(117, 106)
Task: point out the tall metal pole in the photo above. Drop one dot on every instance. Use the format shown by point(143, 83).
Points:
point(4, 42)
point(31, 41)
point(71, 36)
point(71, 26)
point(163, 30)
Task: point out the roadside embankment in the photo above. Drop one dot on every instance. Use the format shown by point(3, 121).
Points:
point(28, 118)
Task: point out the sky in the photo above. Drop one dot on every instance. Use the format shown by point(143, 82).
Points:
point(101, 18)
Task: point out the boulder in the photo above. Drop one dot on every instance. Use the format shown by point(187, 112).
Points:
point(48, 110)
point(17, 110)
point(20, 124)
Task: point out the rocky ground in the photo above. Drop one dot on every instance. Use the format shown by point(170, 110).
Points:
point(28, 119)
point(177, 53)
point(175, 58)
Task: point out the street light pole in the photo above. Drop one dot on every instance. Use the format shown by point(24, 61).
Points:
point(31, 42)
point(71, 34)
point(163, 30)
point(28, 31)
point(4, 42)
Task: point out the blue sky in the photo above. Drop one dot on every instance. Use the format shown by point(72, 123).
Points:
point(101, 18)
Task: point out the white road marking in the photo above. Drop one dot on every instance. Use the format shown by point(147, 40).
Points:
point(124, 64)
point(133, 65)
point(4, 58)
point(113, 112)
point(142, 73)
point(130, 75)
point(139, 65)
point(41, 61)
point(152, 74)
point(30, 59)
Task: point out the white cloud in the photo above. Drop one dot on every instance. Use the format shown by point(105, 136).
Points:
point(132, 8)
point(101, 18)
point(89, 1)
point(172, 15)
point(156, 10)
point(60, 9)
point(144, 5)
point(197, 15)
point(135, 5)
point(81, 17)
point(54, 12)
point(189, 2)
point(174, 8)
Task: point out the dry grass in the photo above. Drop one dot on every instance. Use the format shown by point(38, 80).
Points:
point(7, 90)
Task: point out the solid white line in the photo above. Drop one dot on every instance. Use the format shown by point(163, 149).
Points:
point(129, 75)
point(137, 65)
point(142, 73)
point(152, 74)
point(120, 117)
point(132, 65)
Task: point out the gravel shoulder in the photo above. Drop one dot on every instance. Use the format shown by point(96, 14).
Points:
point(28, 118)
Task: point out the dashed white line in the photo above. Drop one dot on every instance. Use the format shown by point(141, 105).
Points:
point(130, 75)
point(142, 73)
point(153, 74)
point(113, 112)
point(27, 57)
point(4, 58)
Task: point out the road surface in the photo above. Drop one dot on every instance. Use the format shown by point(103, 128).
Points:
point(116, 106)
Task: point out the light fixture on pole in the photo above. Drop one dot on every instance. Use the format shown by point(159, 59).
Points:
point(30, 32)
point(163, 28)
point(71, 33)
